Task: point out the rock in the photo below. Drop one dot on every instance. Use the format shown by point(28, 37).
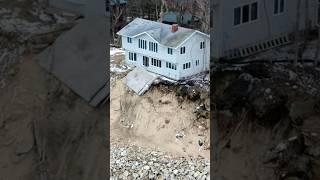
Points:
point(193, 94)
point(281, 147)
point(299, 109)
point(25, 145)
point(196, 174)
point(146, 167)
point(182, 91)
point(268, 91)
point(123, 153)
point(125, 174)
point(175, 172)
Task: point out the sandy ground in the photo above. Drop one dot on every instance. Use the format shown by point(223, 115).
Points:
point(46, 130)
point(153, 120)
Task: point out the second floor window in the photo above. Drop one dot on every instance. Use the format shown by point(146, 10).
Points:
point(183, 50)
point(170, 50)
point(278, 6)
point(142, 44)
point(202, 45)
point(153, 46)
point(246, 13)
point(129, 40)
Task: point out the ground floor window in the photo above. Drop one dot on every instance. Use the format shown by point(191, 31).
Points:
point(171, 66)
point(145, 61)
point(187, 65)
point(197, 62)
point(132, 56)
point(156, 62)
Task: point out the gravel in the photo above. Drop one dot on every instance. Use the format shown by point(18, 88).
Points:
point(132, 162)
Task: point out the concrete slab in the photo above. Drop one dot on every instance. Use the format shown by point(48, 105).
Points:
point(140, 80)
point(79, 59)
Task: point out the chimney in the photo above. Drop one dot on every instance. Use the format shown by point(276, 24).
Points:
point(174, 28)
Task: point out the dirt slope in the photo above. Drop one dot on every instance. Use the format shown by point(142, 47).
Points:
point(268, 122)
point(154, 119)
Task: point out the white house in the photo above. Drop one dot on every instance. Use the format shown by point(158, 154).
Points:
point(244, 27)
point(171, 51)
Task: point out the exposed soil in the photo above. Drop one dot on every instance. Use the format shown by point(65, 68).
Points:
point(154, 119)
point(268, 122)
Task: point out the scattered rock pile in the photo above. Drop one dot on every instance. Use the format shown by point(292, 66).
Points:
point(132, 162)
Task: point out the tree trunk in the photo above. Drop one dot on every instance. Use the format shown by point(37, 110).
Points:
point(297, 35)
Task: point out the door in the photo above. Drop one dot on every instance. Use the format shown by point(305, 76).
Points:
point(145, 61)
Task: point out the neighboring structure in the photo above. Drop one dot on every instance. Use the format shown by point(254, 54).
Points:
point(172, 51)
point(245, 27)
point(172, 17)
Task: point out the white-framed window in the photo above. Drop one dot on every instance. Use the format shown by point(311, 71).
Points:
point(145, 61)
point(156, 62)
point(171, 66)
point(132, 56)
point(278, 6)
point(183, 50)
point(202, 45)
point(129, 39)
point(170, 51)
point(187, 65)
point(245, 13)
point(197, 62)
point(142, 44)
point(153, 46)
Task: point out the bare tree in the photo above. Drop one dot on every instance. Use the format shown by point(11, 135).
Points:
point(297, 34)
point(117, 12)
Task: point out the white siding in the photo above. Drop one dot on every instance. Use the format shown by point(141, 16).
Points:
point(193, 53)
point(226, 36)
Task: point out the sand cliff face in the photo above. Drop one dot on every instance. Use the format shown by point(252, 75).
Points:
point(268, 122)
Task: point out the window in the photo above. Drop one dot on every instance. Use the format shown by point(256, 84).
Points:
point(145, 61)
point(197, 62)
point(246, 13)
point(182, 50)
point(156, 62)
point(254, 11)
point(187, 65)
point(202, 45)
point(171, 66)
point(237, 16)
point(132, 56)
point(142, 44)
point(170, 50)
point(153, 46)
point(129, 40)
point(278, 6)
